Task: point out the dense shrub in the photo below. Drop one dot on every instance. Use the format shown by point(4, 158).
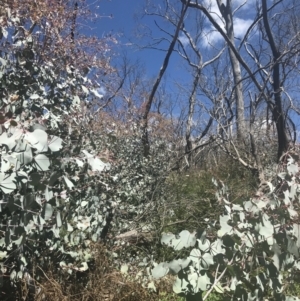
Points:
point(57, 195)
point(252, 252)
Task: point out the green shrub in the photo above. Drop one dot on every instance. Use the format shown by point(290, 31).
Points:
point(251, 251)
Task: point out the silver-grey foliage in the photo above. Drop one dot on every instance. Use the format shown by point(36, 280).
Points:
point(253, 252)
point(45, 161)
point(56, 195)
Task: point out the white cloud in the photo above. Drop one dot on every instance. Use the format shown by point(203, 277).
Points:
point(246, 5)
point(211, 36)
point(241, 26)
point(184, 40)
point(212, 5)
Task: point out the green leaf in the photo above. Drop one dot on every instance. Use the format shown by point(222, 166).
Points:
point(203, 244)
point(29, 201)
point(266, 229)
point(55, 143)
point(48, 194)
point(151, 286)
point(41, 162)
point(219, 289)
point(3, 255)
point(203, 282)
point(53, 178)
point(69, 228)
point(10, 142)
point(58, 220)
point(84, 89)
point(160, 271)
point(195, 255)
point(180, 286)
point(292, 167)
point(48, 211)
point(20, 241)
point(7, 236)
point(84, 267)
point(38, 139)
point(7, 183)
point(13, 275)
point(68, 183)
point(95, 92)
point(225, 228)
point(185, 239)
point(34, 96)
point(25, 157)
point(217, 247)
point(291, 298)
point(207, 260)
point(179, 264)
point(95, 163)
point(83, 203)
point(76, 100)
point(124, 269)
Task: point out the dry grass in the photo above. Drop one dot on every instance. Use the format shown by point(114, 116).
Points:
point(101, 283)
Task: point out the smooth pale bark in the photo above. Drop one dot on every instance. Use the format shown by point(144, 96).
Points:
point(226, 12)
point(189, 122)
point(198, 67)
point(235, 58)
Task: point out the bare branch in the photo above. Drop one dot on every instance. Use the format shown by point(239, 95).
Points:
point(159, 78)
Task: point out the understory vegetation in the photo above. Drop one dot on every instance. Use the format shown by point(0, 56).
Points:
point(109, 192)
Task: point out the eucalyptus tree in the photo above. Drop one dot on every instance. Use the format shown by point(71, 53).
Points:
point(227, 12)
point(45, 88)
point(258, 86)
point(58, 192)
point(274, 66)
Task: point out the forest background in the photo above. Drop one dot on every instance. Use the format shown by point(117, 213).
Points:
point(109, 143)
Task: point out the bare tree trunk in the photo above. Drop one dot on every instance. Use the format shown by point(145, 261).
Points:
point(189, 121)
point(145, 138)
point(253, 143)
point(226, 12)
point(277, 111)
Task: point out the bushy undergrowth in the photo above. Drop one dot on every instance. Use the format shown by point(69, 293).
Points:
point(101, 283)
point(191, 193)
point(65, 185)
point(250, 251)
point(57, 195)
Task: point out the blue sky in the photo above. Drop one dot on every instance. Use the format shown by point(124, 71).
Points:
point(122, 23)
point(116, 16)
point(122, 17)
